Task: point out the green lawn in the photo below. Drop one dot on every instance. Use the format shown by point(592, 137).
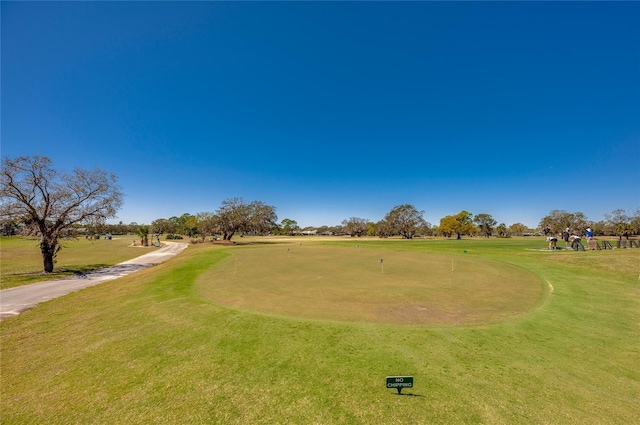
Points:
point(159, 346)
point(22, 262)
point(351, 283)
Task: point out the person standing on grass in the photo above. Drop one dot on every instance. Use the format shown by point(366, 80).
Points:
point(565, 237)
point(589, 233)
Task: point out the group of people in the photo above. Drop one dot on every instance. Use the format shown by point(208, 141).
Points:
point(569, 240)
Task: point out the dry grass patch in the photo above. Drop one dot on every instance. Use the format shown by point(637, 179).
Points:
point(608, 261)
point(351, 284)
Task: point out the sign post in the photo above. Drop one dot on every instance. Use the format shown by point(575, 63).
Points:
point(399, 382)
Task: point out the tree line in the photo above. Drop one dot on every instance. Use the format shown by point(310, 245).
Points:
point(39, 200)
point(236, 216)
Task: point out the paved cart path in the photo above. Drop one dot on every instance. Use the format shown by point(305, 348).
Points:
point(21, 298)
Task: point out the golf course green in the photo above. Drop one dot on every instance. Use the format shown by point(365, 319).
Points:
point(306, 330)
point(356, 284)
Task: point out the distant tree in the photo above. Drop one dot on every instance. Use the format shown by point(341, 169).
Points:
point(187, 224)
point(163, 226)
point(231, 217)
point(460, 224)
point(356, 226)
point(428, 230)
point(289, 226)
point(485, 224)
point(502, 230)
point(384, 229)
point(237, 216)
point(580, 223)
point(323, 229)
point(635, 221)
point(131, 228)
point(599, 228)
point(447, 226)
point(337, 230)
point(118, 229)
point(95, 227)
point(143, 232)
point(620, 222)
point(372, 229)
point(262, 218)
point(404, 220)
point(52, 201)
point(558, 220)
point(175, 223)
point(517, 229)
point(206, 224)
point(10, 227)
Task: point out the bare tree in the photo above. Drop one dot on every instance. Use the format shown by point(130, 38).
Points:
point(52, 201)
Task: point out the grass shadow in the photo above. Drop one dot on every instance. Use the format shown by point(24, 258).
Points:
point(409, 395)
point(18, 279)
point(242, 243)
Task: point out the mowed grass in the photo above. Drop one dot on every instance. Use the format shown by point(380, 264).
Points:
point(353, 284)
point(21, 261)
point(154, 347)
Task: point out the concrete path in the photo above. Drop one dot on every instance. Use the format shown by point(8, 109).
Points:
point(21, 298)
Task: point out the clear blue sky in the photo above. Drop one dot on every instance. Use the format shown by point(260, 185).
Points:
point(333, 110)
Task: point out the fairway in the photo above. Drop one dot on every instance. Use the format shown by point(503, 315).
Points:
point(269, 331)
point(352, 284)
point(22, 261)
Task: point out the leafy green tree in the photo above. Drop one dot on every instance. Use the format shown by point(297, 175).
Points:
point(447, 226)
point(289, 226)
point(460, 224)
point(635, 221)
point(502, 230)
point(517, 229)
point(51, 201)
point(187, 224)
point(372, 229)
point(175, 223)
point(143, 232)
point(485, 223)
point(404, 220)
point(118, 229)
